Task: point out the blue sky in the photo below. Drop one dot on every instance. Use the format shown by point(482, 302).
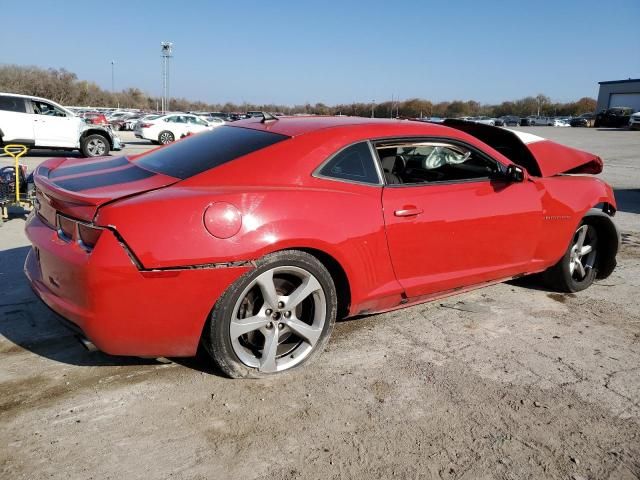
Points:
point(291, 52)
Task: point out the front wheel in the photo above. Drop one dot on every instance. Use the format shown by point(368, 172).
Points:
point(94, 146)
point(273, 318)
point(577, 269)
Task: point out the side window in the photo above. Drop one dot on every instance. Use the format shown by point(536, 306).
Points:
point(428, 162)
point(12, 104)
point(197, 121)
point(354, 163)
point(44, 108)
point(172, 119)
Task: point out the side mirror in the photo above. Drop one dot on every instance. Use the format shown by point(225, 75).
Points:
point(515, 173)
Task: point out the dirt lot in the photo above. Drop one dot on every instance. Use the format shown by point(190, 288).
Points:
point(511, 381)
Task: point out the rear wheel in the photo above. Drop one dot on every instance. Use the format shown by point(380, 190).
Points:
point(273, 318)
point(165, 137)
point(94, 146)
point(577, 269)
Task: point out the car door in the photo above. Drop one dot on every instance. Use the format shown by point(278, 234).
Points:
point(16, 125)
point(177, 125)
point(452, 217)
point(54, 127)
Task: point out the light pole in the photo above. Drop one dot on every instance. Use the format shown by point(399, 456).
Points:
point(373, 104)
point(166, 49)
point(113, 76)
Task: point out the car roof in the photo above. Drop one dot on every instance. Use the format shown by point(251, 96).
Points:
point(299, 125)
point(32, 97)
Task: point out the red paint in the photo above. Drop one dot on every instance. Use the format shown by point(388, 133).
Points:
point(455, 237)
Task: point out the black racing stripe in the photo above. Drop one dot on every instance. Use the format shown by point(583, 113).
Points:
point(102, 180)
point(90, 167)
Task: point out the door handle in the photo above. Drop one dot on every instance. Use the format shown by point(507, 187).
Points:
point(408, 211)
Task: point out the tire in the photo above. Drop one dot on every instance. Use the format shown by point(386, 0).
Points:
point(576, 271)
point(240, 352)
point(165, 137)
point(94, 146)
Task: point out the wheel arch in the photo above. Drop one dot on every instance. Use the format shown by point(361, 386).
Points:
point(339, 276)
point(97, 131)
point(609, 237)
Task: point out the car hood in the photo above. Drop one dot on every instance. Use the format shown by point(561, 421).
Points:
point(78, 187)
point(541, 157)
point(553, 158)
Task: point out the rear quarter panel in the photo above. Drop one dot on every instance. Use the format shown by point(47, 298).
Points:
point(165, 229)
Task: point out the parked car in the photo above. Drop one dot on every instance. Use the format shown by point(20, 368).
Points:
point(634, 121)
point(252, 238)
point(536, 121)
point(484, 120)
point(41, 123)
point(169, 128)
point(215, 121)
point(584, 120)
point(128, 123)
point(119, 121)
point(560, 122)
point(613, 117)
point(508, 120)
point(94, 118)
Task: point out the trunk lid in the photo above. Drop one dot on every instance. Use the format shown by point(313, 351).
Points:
point(541, 157)
point(78, 187)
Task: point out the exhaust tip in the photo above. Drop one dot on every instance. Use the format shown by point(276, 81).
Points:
point(86, 343)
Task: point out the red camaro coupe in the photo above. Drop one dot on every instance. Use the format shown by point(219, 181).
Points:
point(253, 238)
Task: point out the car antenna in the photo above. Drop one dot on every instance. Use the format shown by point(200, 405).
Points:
point(267, 117)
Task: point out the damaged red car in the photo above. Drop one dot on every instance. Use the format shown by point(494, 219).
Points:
point(251, 239)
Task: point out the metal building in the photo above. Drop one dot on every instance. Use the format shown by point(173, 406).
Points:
point(619, 93)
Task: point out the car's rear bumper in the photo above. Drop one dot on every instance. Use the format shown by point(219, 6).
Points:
point(121, 309)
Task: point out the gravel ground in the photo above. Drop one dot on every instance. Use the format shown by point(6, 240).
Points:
point(507, 382)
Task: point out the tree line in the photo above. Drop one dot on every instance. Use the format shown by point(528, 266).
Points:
point(64, 87)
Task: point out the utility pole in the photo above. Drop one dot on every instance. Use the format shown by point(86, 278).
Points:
point(166, 50)
point(373, 104)
point(113, 76)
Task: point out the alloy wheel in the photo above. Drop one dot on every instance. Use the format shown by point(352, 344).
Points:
point(278, 319)
point(166, 137)
point(583, 252)
point(96, 147)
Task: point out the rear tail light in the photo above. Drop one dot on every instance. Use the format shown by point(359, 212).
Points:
point(66, 228)
point(145, 125)
point(70, 230)
point(88, 235)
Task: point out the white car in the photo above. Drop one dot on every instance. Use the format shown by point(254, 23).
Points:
point(483, 120)
point(634, 121)
point(40, 123)
point(214, 121)
point(559, 122)
point(171, 127)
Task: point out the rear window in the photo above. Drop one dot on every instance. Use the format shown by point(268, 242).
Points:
point(207, 150)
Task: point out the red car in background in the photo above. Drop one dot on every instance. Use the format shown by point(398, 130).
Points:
point(253, 238)
point(95, 118)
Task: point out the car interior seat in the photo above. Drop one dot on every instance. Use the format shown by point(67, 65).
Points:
point(392, 166)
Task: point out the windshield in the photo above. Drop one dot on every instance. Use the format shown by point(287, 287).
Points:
point(206, 150)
